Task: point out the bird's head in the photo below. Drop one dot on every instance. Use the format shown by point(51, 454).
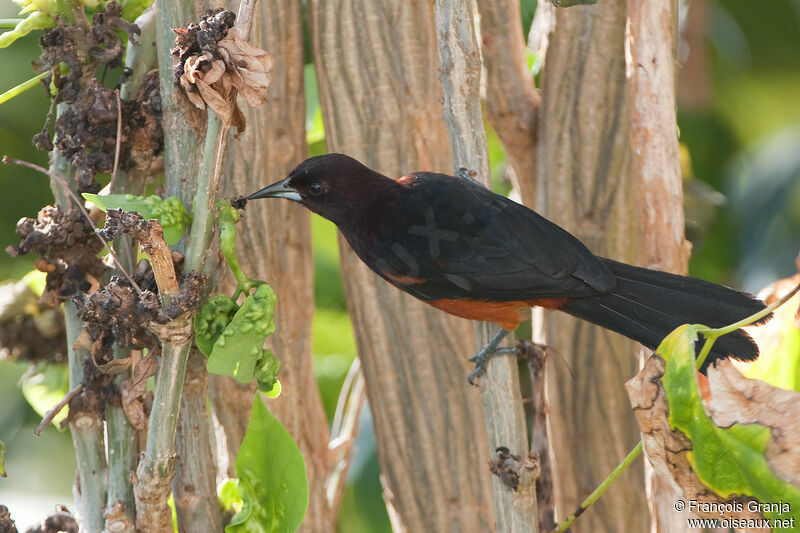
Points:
point(334, 186)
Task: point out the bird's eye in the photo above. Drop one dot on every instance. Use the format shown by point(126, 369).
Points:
point(315, 189)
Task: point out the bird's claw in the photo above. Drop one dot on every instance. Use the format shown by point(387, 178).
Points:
point(481, 360)
point(475, 374)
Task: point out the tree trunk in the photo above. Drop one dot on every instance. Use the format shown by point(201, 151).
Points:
point(275, 242)
point(588, 188)
point(460, 76)
point(381, 101)
point(657, 174)
point(194, 488)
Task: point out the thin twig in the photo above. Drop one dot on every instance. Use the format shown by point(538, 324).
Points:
point(344, 394)
point(600, 490)
point(215, 145)
point(119, 141)
point(51, 414)
point(344, 431)
point(712, 334)
point(244, 18)
point(79, 203)
point(156, 469)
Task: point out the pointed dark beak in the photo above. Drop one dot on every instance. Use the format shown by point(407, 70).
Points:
point(279, 189)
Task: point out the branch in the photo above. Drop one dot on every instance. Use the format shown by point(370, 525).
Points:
point(536, 356)
point(600, 490)
point(52, 413)
point(123, 441)
point(216, 142)
point(156, 467)
point(512, 102)
point(500, 394)
point(86, 428)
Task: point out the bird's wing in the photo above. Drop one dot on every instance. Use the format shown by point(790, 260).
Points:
point(457, 239)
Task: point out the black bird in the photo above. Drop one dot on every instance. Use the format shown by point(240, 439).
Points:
point(463, 249)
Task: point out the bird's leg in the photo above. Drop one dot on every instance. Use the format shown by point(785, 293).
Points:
point(481, 359)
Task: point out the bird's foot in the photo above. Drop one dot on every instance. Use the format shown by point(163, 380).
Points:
point(481, 359)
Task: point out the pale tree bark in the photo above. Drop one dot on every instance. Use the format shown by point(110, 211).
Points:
point(512, 103)
point(589, 189)
point(381, 101)
point(514, 109)
point(460, 75)
point(194, 487)
point(694, 87)
point(650, 52)
point(275, 244)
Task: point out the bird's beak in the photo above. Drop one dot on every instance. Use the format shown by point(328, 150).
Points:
point(279, 189)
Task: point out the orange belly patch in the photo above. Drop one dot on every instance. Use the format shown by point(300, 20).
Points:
point(505, 314)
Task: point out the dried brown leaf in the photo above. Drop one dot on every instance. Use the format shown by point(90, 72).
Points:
point(238, 121)
point(132, 390)
point(736, 399)
point(133, 406)
point(115, 366)
point(145, 368)
point(250, 67)
point(214, 74)
point(190, 90)
point(215, 101)
point(84, 340)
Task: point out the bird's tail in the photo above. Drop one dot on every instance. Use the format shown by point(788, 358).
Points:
point(648, 304)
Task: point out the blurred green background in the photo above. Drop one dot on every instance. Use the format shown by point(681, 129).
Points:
point(739, 119)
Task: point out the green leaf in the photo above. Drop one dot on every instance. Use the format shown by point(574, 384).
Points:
point(238, 351)
point(45, 389)
point(731, 460)
point(266, 374)
point(273, 485)
point(170, 212)
point(36, 280)
point(211, 321)
point(275, 391)
point(228, 496)
point(131, 9)
point(779, 366)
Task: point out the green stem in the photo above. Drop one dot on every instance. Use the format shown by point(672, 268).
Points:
point(140, 58)
point(595, 495)
point(208, 178)
point(9, 23)
point(22, 87)
point(712, 334)
point(156, 466)
point(86, 427)
point(122, 455)
point(711, 338)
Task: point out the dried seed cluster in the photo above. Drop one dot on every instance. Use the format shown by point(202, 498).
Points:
point(86, 131)
point(68, 251)
point(211, 61)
